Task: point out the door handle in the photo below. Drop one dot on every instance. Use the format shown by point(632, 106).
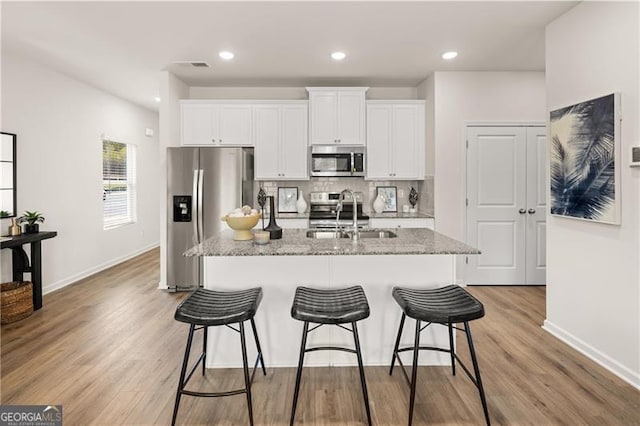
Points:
point(522, 211)
point(532, 211)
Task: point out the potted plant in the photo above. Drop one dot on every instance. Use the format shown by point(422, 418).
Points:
point(31, 219)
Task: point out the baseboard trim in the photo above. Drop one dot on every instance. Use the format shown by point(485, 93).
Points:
point(88, 272)
point(626, 374)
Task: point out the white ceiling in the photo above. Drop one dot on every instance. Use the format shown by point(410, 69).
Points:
point(121, 46)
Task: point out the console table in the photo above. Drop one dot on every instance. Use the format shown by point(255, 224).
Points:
point(21, 260)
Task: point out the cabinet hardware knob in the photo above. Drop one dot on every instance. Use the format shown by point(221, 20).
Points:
point(532, 211)
point(522, 211)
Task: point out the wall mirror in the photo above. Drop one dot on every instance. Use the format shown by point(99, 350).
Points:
point(7, 175)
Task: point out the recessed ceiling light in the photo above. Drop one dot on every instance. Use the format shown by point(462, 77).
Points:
point(338, 56)
point(226, 55)
point(157, 99)
point(449, 55)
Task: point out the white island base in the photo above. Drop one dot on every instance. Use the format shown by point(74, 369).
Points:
point(280, 335)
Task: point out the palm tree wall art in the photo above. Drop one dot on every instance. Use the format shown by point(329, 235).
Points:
point(584, 152)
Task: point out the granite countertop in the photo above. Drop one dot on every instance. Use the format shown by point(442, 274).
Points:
point(295, 242)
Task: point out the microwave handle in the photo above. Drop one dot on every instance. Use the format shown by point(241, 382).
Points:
point(353, 163)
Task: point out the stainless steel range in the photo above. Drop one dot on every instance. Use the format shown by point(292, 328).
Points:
point(322, 210)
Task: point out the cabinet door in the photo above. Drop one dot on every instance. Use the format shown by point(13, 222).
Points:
point(351, 118)
point(293, 146)
point(197, 124)
point(378, 141)
point(234, 125)
point(405, 152)
point(267, 141)
point(323, 107)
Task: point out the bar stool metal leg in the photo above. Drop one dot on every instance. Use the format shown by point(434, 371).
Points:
point(255, 334)
point(245, 366)
point(205, 331)
point(476, 371)
point(395, 348)
point(414, 371)
point(452, 350)
point(361, 368)
point(299, 373)
point(183, 372)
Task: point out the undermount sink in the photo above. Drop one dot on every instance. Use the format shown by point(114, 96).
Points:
point(325, 234)
point(377, 234)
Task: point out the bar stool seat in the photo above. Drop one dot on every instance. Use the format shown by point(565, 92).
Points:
point(330, 307)
point(206, 308)
point(211, 308)
point(336, 306)
point(448, 304)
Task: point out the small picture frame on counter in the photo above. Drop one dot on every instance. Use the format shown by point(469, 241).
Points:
point(389, 196)
point(287, 198)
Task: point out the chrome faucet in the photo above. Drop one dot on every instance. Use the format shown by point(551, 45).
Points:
point(356, 235)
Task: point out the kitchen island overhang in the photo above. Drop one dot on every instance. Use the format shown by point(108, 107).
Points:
point(417, 258)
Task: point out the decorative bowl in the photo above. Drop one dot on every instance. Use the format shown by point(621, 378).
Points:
point(242, 226)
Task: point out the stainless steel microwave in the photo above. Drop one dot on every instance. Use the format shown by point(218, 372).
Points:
point(329, 160)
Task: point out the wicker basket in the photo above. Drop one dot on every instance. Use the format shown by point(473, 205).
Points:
point(16, 301)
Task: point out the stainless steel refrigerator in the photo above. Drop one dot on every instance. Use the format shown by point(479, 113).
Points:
point(204, 184)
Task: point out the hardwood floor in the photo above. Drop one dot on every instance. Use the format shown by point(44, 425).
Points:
point(107, 349)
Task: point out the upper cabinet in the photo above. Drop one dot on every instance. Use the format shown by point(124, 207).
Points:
point(395, 140)
point(281, 136)
point(337, 115)
point(215, 123)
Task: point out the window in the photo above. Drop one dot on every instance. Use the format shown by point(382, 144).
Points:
point(118, 183)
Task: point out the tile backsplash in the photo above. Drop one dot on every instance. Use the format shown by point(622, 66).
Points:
point(368, 188)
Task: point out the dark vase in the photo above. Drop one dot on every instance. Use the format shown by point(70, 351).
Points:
point(31, 229)
point(275, 232)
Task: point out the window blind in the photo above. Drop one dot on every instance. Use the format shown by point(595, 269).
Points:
point(118, 183)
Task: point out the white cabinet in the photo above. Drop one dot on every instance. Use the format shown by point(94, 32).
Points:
point(337, 115)
point(280, 132)
point(215, 124)
point(395, 140)
point(402, 222)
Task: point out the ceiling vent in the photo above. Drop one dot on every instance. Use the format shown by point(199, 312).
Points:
point(196, 64)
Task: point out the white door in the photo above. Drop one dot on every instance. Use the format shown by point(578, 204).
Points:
point(536, 205)
point(378, 141)
point(234, 125)
point(197, 124)
point(351, 112)
point(293, 147)
point(323, 107)
point(406, 139)
point(267, 141)
point(506, 193)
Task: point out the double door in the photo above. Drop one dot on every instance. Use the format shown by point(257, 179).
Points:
point(506, 205)
point(213, 124)
point(337, 116)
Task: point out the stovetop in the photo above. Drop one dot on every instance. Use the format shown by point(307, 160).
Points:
point(323, 206)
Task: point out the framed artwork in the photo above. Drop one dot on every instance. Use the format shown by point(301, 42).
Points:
point(287, 198)
point(389, 196)
point(584, 160)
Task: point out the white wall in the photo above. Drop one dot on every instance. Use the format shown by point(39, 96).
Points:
point(426, 91)
point(59, 122)
point(172, 89)
point(593, 288)
point(462, 97)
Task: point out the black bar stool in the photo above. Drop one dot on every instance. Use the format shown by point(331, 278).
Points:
point(207, 308)
point(335, 307)
point(447, 305)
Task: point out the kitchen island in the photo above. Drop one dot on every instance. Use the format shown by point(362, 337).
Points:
point(417, 258)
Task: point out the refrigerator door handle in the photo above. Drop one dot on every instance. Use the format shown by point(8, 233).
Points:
point(195, 207)
point(200, 206)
